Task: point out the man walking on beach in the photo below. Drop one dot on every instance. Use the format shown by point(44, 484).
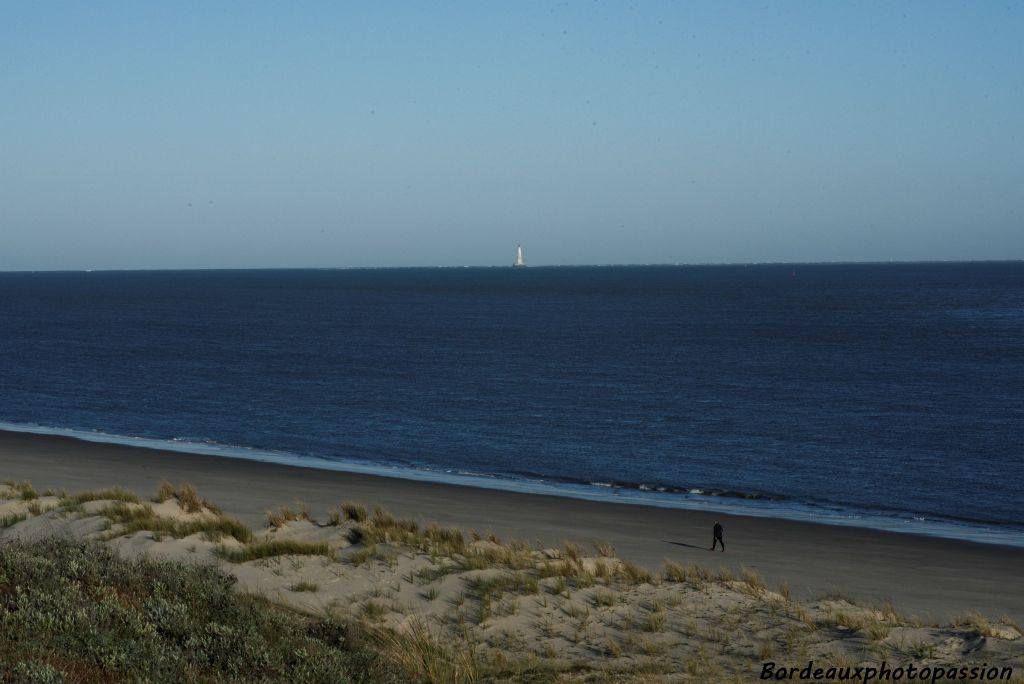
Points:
point(718, 537)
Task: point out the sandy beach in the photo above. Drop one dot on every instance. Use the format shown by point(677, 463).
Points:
point(934, 579)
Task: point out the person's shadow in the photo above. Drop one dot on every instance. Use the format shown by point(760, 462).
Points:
point(689, 546)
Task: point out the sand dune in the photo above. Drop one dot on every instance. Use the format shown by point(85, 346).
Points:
point(542, 608)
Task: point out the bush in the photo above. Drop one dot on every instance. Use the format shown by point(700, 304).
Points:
point(76, 612)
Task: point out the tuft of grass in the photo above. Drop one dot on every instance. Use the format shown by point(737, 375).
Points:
point(487, 588)
point(634, 574)
point(356, 512)
point(369, 553)
point(111, 494)
point(753, 581)
point(372, 611)
point(284, 514)
point(304, 586)
point(12, 519)
point(22, 490)
point(138, 518)
point(189, 498)
point(422, 656)
point(604, 549)
point(27, 492)
point(572, 552)
point(690, 573)
point(975, 622)
point(604, 597)
point(267, 549)
point(655, 621)
point(725, 574)
point(877, 631)
point(385, 528)
point(164, 491)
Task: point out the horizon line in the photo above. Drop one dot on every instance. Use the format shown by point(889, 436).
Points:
point(499, 266)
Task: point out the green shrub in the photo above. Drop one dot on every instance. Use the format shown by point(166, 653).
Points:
point(94, 617)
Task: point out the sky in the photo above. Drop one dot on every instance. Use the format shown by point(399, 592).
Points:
point(342, 134)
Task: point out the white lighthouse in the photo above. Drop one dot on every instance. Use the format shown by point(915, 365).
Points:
point(519, 263)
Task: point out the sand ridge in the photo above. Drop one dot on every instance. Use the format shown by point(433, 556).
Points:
point(558, 609)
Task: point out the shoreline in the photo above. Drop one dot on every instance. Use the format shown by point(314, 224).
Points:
point(931, 577)
point(700, 499)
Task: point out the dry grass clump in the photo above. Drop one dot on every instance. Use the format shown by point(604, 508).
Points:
point(138, 518)
point(164, 491)
point(444, 541)
point(634, 574)
point(604, 549)
point(424, 656)
point(753, 582)
point(111, 494)
point(572, 552)
point(498, 585)
point(283, 514)
point(515, 555)
point(12, 519)
point(349, 510)
point(371, 553)
point(385, 528)
point(975, 622)
point(187, 497)
point(23, 490)
point(605, 598)
point(690, 573)
point(267, 549)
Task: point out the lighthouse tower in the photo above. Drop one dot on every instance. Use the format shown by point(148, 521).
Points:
point(519, 263)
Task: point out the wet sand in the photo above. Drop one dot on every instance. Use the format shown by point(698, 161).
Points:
point(935, 579)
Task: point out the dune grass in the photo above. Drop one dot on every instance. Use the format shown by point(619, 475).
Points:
point(111, 494)
point(141, 517)
point(23, 490)
point(348, 510)
point(187, 497)
point(12, 519)
point(284, 514)
point(267, 549)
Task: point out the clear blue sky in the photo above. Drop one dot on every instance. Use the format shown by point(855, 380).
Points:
point(180, 135)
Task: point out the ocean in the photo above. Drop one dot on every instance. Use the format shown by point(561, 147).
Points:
point(879, 395)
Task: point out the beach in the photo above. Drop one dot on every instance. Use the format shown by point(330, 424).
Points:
point(930, 578)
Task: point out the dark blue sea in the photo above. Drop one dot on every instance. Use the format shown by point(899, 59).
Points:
point(879, 395)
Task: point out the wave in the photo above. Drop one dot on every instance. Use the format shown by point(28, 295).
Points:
point(711, 499)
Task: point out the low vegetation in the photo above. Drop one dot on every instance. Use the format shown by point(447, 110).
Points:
point(75, 612)
point(266, 549)
point(186, 496)
point(135, 518)
point(387, 598)
point(112, 494)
